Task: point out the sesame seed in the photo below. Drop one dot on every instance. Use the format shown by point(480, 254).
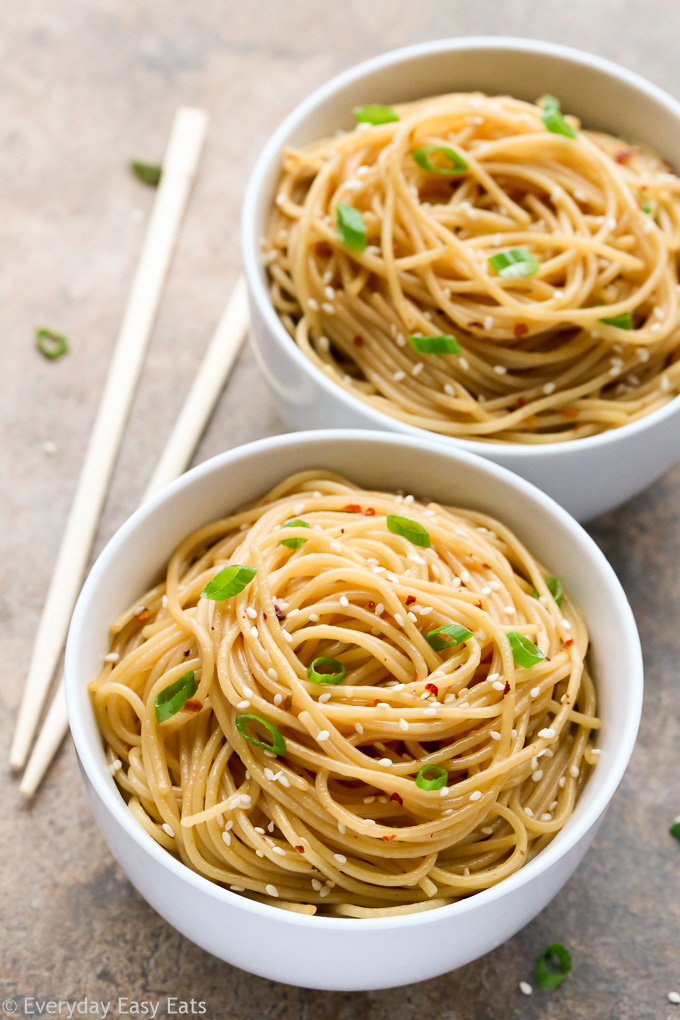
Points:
point(398, 376)
point(403, 725)
point(674, 997)
point(112, 657)
point(412, 617)
point(537, 775)
point(399, 619)
point(280, 198)
point(431, 710)
point(513, 733)
point(283, 780)
point(379, 609)
point(258, 828)
point(463, 363)
point(328, 308)
point(243, 705)
point(398, 687)
point(417, 368)
point(534, 692)
point(336, 547)
point(566, 624)
point(510, 610)
point(271, 890)
point(495, 735)
point(448, 388)
point(382, 704)
point(359, 728)
point(313, 617)
point(595, 751)
point(487, 830)
point(168, 829)
point(611, 223)
point(476, 795)
point(665, 383)
point(486, 590)
point(493, 676)
point(344, 601)
point(525, 988)
point(313, 304)
point(548, 732)
point(322, 735)
point(330, 293)
point(316, 885)
point(500, 369)
point(323, 698)
point(288, 637)
point(648, 227)
point(324, 343)
point(340, 858)
point(269, 774)
point(252, 613)
point(443, 791)
point(529, 812)
point(574, 771)
point(278, 698)
point(655, 327)
point(561, 782)
point(488, 322)
point(546, 817)
point(253, 631)
point(498, 685)
point(385, 761)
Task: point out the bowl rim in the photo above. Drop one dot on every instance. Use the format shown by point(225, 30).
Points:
point(251, 248)
point(576, 828)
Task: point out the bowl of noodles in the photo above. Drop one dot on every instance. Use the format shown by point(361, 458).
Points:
point(478, 239)
point(342, 692)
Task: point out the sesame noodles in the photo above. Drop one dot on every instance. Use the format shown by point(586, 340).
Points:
point(422, 765)
point(599, 220)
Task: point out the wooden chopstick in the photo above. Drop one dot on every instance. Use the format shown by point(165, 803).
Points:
point(208, 383)
point(179, 168)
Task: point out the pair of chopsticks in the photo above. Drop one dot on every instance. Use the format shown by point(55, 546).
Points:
point(178, 172)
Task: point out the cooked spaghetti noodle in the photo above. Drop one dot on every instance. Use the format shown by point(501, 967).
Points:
point(599, 218)
point(436, 766)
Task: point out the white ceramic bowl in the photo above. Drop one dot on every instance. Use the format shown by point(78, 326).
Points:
point(340, 953)
point(587, 476)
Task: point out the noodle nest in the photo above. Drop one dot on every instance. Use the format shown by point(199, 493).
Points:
point(600, 217)
point(436, 766)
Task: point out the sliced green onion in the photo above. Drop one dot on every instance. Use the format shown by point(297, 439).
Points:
point(444, 344)
point(278, 744)
point(147, 173)
point(439, 777)
point(422, 158)
point(375, 114)
point(351, 227)
point(546, 977)
point(675, 828)
point(50, 344)
point(554, 586)
point(513, 263)
point(646, 207)
point(228, 582)
point(409, 529)
point(524, 652)
point(325, 671)
point(447, 636)
point(553, 119)
point(170, 700)
point(294, 543)
point(624, 320)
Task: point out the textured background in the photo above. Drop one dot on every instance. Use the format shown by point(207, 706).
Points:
point(84, 86)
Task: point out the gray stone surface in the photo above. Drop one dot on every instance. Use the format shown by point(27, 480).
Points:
point(84, 86)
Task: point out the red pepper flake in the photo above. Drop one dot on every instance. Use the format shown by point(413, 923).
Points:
point(144, 615)
point(432, 688)
point(368, 512)
point(395, 796)
point(370, 605)
point(521, 329)
point(186, 653)
point(279, 614)
point(410, 599)
point(264, 616)
point(388, 839)
point(521, 401)
point(487, 566)
point(373, 704)
point(474, 325)
point(568, 643)
point(624, 155)
point(570, 412)
point(358, 341)
point(352, 508)
point(192, 705)
point(506, 689)
point(300, 849)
